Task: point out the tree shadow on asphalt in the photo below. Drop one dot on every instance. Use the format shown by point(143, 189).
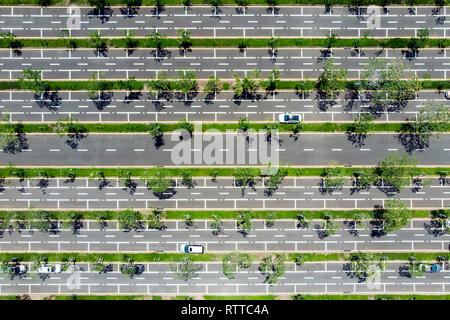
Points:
point(49, 100)
point(160, 54)
point(20, 142)
point(130, 11)
point(74, 138)
point(324, 103)
point(102, 100)
point(132, 96)
point(103, 14)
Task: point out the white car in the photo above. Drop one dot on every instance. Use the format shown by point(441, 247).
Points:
point(192, 248)
point(447, 95)
point(49, 268)
point(289, 118)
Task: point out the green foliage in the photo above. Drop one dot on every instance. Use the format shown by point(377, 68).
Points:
point(216, 224)
point(187, 219)
point(160, 85)
point(154, 219)
point(186, 176)
point(244, 124)
point(244, 177)
point(186, 81)
point(97, 42)
point(246, 86)
point(395, 170)
point(394, 215)
point(33, 81)
point(331, 80)
point(333, 177)
point(366, 266)
point(186, 269)
point(184, 39)
point(331, 40)
point(130, 220)
point(273, 267)
point(244, 221)
point(97, 85)
point(9, 135)
point(391, 82)
point(329, 225)
point(157, 40)
point(212, 86)
point(235, 262)
point(12, 41)
point(157, 181)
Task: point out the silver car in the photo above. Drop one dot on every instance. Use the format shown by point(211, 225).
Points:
point(289, 118)
point(49, 268)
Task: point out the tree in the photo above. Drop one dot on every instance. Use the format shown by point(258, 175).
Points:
point(394, 215)
point(359, 129)
point(129, 220)
point(10, 133)
point(11, 41)
point(212, 86)
point(329, 225)
point(186, 269)
point(244, 221)
point(97, 85)
point(187, 219)
point(244, 124)
point(186, 177)
point(130, 42)
point(158, 182)
point(242, 3)
point(366, 266)
point(99, 5)
point(69, 126)
point(273, 79)
point(184, 39)
point(246, 86)
point(332, 177)
point(234, 262)
point(154, 219)
point(33, 79)
point(42, 220)
point(101, 218)
point(274, 44)
point(186, 82)
point(130, 84)
point(270, 219)
point(100, 266)
point(390, 83)
point(274, 180)
point(160, 85)
point(273, 267)
point(186, 125)
point(244, 177)
point(395, 171)
point(300, 260)
point(156, 130)
point(331, 80)
point(157, 40)
point(70, 43)
point(216, 3)
point(97, 42)
point(216, 225)
point(131, 5)
point(331, 40)
point(429, 122)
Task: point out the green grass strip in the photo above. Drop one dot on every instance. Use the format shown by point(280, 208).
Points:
point(172, 43)
point(208, 257)
point(232, 2)
point(165, 127)
point(65, 215)
point(82, 85)
point(176, 172)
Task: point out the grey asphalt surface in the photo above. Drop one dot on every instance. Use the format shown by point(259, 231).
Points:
point(293, 193)
point(292, 63)
point(284, 235)
point(143, 150)
point(329, 277)
point(228, 21)
point(121, 106)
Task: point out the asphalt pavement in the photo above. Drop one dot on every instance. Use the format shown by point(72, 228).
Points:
point(229, 21)
point(206, 194)
point(420, 235)
point(216, 148)
point(158, 278)
point(292, 63)
point(142, 107)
